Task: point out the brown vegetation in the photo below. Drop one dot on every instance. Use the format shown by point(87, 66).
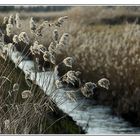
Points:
point(105, 43)
point(27, 110)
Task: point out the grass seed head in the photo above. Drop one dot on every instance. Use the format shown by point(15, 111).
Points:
point(60, 21)
point(52, 59)
point(46, 56)
point(35, 48)
point(15, 87)
point(68, 61)
point(70, 77)
point(9, 29)
point(87, 89)
point(5, 20)
point(32, 25)
point(64, 39)
point(52, 47)
point(11, 20)
point(90, 85)
point(18, 22)
point(40, 28)
point(15, 39)
point(104, 83)
point(55, 35)
point(24, 37)
point(26, 94)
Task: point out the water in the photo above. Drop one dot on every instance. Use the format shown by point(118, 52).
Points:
point(94, 119)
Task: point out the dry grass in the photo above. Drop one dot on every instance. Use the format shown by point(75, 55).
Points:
point(111, 51)
point(104, 45)
point(27, 110)
point(36, 114)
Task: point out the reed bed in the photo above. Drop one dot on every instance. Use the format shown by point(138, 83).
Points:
point(27, 110)
point(104, 45)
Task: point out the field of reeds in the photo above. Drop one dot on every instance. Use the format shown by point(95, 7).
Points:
point(27, 110)
point(103, 42)
point(111, 50)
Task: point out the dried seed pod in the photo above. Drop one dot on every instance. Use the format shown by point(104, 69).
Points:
point(35, 48)
point(60, 21)
point(71, 79)
point(46, 56)
point(88, 89)
point(9, 29)
point(55, 35)
point(104, 83)
point(4, 54)
point(18, 22)
point(52, 59)
point(32, 25)
point(68, 61)
point(71, 75)
point(24, 37)
point(40, 28)
point(63, 67)
point(26, 94)
point(15, 39)
point(42, 48)
point(49, 57)
point(64, 39)
point(5, 20)
point(90, 85)
point(52, 47)
point(15, 87)
point(11, 20)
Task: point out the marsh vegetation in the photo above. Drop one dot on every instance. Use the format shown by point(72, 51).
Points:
point(103, 42)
